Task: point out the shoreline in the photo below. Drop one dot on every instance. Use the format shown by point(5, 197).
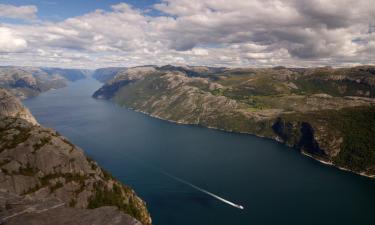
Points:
point(331, 164)
point(276, 139)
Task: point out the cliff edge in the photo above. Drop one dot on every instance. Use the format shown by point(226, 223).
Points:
point(44, 177)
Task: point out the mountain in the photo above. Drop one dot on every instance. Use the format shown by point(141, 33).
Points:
point(69, 74)
point(106, 74)
point(326, 113)
point(51, 179)
point(25, 82)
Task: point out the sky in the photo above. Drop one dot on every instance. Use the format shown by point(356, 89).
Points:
point(233, 33)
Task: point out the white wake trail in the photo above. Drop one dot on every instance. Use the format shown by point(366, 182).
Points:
point(204, 191)
point(134, 158)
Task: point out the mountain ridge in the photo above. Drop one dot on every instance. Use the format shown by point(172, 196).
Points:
point(309, 109)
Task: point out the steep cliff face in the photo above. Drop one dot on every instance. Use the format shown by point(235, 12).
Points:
point(340, 137)
point(303, 108)
point(12, 107)
point(39, 163)
point(300, 135)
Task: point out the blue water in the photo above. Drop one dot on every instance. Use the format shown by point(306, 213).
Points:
point(275, 184)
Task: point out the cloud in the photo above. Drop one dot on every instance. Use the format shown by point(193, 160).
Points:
point(9, 42)
point(204, 32)
point(307, 29)
point(26, 12)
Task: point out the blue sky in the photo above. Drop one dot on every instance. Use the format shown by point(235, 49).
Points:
point(57, 10)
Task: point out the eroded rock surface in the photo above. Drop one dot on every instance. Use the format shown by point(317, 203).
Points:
point(16, 210)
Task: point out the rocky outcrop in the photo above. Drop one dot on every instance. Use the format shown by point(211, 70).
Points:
point(12, 107)
point(39, 164)
point(16, 209)
point(299, 135)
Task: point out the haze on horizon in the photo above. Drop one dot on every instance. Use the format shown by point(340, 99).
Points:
point(232, 33)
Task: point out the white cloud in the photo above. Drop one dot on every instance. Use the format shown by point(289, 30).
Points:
point(9, 42)
point(204, 32)
point(26, 12)
point(305, 28)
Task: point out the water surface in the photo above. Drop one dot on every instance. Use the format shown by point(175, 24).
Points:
point(275, 184)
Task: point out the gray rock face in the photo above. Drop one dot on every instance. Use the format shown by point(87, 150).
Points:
point(15, 210)
point(12, 107)
point(37, 163)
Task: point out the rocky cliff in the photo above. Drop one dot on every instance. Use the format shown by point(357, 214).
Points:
point(46, 179)
point(323, 112)
point(16, 210)
point(12, 107)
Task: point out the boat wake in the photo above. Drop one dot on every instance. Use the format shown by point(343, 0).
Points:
point(202, 190)
point(134, 158)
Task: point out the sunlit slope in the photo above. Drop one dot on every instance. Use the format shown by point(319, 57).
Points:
point(324, 112)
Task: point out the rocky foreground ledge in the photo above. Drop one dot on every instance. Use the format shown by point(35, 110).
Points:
point(45, 179)
point(15, 210)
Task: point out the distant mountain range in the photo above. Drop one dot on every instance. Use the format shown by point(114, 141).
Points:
point(25, 82)
point(105, 74)
point(326, 113)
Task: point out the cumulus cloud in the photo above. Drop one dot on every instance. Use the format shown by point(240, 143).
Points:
point(307, 29)
point(9, 42)
point(18, 12)
point(204, 32)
